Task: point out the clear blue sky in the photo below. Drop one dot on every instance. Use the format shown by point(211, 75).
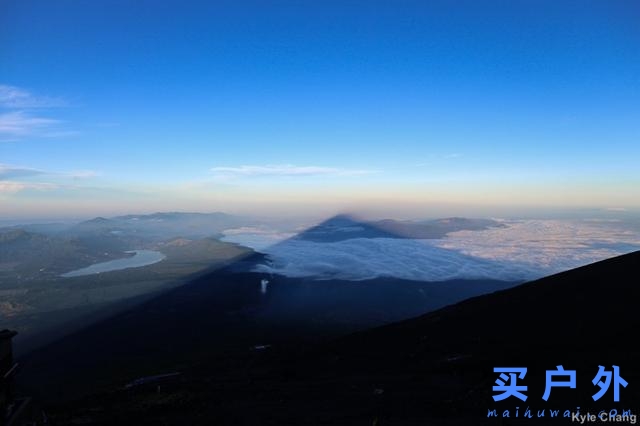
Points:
point(415, 106)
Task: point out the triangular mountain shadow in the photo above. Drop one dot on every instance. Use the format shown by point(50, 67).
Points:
point(216, 319)
point(346, 226)
point(318, 252)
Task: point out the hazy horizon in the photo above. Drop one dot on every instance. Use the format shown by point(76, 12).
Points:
point(611, 215)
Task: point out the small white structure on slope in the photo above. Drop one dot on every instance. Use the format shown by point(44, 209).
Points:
point(263, 286)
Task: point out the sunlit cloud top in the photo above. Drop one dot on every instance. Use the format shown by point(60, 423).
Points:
point(285, 170)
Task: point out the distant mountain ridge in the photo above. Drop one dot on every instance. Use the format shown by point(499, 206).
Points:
point(162, 225)
point(31, 252)
point(58, 248)
point(184, 224)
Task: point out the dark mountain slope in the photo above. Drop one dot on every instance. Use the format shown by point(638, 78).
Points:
point(579, 319)
point(562, 310)
point(435, 369)
point(159, 226)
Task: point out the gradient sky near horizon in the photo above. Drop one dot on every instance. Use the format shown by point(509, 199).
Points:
point(400, 108)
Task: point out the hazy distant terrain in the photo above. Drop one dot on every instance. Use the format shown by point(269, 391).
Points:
point(39, 292)
point(36, 296)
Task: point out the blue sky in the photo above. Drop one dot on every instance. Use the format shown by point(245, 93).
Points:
point(405, 108)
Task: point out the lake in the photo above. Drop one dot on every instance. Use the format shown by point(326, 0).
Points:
point(139, 259)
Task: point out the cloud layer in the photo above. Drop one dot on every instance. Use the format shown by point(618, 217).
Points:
point(284, 170)
point(10, 172)
point(524, 250)
point(365, 258)
point(258, 238)
point(11, 187)
point(549, 245)
point(19, 123)
point(18, 178)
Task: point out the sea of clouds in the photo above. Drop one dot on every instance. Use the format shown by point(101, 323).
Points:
point(523, 250)
point(259, 238)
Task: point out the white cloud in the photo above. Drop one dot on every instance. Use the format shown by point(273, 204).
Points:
point(8, 172)
point(16, 124)
point(258, 238)
point(9, 175)
point(11, 187)
point(17, 98)
point(284, 170)
point(549, 245)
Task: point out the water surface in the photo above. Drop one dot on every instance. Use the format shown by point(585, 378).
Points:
point(139, 259)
